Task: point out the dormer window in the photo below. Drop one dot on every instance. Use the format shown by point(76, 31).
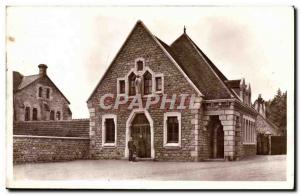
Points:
point(147, 83)
point(140, 65)
point(40, 91)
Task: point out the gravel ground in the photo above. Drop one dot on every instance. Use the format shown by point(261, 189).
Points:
point(257, 168)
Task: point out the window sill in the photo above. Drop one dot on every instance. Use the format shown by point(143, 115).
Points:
point(142, 95)
point(247, 143)
point(109, 145)
point(172, 146)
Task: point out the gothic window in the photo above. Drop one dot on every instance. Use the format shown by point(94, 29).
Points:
point(40, 91)
point(27, 113)
point(34, 114)
point(132, 84)
point(147, 83)
point(52, 115)
point(48, 93)
point(58, 115)
point(158, 84)
point(109, 130)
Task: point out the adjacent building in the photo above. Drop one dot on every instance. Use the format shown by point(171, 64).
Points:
point(37, 98)
point(265, 129)
point(134, 99)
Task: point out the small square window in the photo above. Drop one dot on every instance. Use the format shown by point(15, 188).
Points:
point(140, 65)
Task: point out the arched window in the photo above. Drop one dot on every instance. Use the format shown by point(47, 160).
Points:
point(52, 115)
point(131, 79)
point(58, 115)
point(40, 91)
point(147, 83)
point(48, 93)
point(34, 114)
point(27, 113)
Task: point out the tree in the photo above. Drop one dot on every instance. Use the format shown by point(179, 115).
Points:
point(276, 110)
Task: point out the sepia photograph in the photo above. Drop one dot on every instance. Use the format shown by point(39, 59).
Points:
point(150, 97)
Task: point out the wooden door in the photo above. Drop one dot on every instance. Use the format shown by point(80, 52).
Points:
point(220, 143)
point(140, 132)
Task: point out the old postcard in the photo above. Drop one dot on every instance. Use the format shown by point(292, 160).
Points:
point(150, 97)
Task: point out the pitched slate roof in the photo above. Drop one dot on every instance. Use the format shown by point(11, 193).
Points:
point(203, 74)
point(20, 82)
point(206, 76)
point(233, 83)
point(27, 80)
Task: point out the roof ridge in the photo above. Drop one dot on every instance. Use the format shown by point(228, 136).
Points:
point(219, 73)
point(213, 67)
point(159, 43)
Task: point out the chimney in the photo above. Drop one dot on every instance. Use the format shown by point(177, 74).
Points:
point(42, 69)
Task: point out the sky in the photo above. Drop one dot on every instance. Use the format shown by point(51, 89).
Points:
point(79, 43)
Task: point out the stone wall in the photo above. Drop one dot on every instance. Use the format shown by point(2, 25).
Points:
point(28, 96)
point(71, 128)
point(48, 149)
point(249, 150)
point(140, 44)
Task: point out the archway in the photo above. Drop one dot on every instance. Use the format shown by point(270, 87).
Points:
point(139, 126)
point(216, 134)
point(140, 133)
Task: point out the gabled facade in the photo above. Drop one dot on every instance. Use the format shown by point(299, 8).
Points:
point(36, 98)
point(173, 102)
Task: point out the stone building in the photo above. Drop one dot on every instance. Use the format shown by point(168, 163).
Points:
point(173, 101)
point(265, 129)
point(37, 98)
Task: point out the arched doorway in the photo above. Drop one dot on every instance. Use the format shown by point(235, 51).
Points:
point(216, 138)
point(140, 133)
point(143, 121)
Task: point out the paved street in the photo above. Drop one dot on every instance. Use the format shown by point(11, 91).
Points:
point(258, 168)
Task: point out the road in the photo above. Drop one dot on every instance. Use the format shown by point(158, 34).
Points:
point(258, 168)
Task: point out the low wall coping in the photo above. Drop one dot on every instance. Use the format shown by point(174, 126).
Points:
point(49, 137)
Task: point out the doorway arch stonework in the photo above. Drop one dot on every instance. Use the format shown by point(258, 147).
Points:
point(128, 129)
